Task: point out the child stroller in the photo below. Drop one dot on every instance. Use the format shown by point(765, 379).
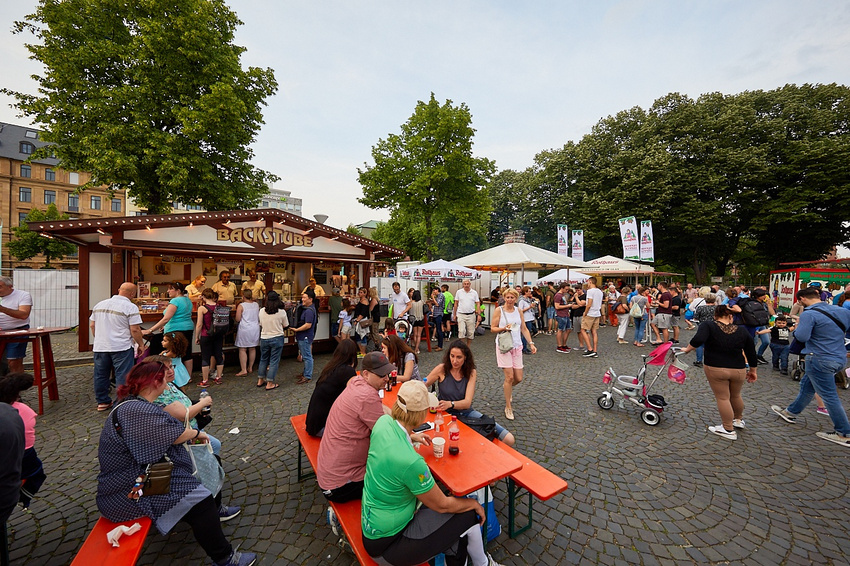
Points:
point(636, 389)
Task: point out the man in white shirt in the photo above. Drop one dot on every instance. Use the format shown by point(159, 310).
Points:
point(115, 324)
point(466, 311)
point(591, 318)
point(15, 308)
point(401, 302)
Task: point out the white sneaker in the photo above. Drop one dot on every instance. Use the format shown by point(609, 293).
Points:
point(333, 521)
point(491, 562)
point(739, 423)
point(786, 416)
point(720, 431)
point(834, 437)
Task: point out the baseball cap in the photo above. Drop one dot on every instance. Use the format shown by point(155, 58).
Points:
point(413, 396)
point(377, 363)
point(815, 284)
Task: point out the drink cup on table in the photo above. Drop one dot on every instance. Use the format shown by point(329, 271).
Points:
point(439, 444)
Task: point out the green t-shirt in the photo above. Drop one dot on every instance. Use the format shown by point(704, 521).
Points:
point(395, 475)
point(335, 304)
point(450, 302)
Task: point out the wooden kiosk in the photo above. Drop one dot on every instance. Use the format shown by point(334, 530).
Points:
point(284, 249)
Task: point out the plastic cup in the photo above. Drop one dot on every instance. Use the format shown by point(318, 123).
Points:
point(439, 444)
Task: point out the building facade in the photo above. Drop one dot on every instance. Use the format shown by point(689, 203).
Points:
point(37, 184)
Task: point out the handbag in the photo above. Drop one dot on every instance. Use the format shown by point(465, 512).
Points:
point(636, 311)
point(483, 425)
point(206, 466)
point(156, 479)
point(505, 341)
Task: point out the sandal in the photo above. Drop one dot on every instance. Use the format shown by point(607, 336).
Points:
point(263, 384)
point(302, 380)
point(204, 383)
point(509, 414)
point(218, 380)
point(273, 385)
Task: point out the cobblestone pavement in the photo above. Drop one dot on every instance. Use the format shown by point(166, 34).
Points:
point(669, 494)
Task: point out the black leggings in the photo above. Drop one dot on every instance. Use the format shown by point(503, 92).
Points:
point(349, 492)
point(212, 347)
point(206, 526)
point(399, 550)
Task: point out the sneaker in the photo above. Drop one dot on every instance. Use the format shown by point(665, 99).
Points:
point(567, 349)
point(720, 431)
point(739, 423)
point(590, 354)
point(491, 562)
point(697, 364)
point(783, 372)
point(239, 559)
point(226, 513)
point(788, 417)
point(674, 341)
point(104, 406)
point(776, 367)
point(823, 411)
point(621, 341)
point(561, 349)
point(834, 437)
point(330, 516)
point(762, 361)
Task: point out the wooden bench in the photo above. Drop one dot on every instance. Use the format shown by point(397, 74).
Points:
point(97, 551)
point(536, 480)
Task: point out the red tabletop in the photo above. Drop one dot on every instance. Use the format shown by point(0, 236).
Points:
point(40, 338)
point(479, 463)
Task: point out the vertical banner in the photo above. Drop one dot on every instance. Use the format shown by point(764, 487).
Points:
point(628, 233)
point(563, 234)
point(647, 244)
point(578, 245)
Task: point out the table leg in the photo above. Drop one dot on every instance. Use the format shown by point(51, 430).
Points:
point(36, 372)
point(50, 369)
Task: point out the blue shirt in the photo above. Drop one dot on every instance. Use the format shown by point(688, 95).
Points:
point(308, 314)
point(182, 318)
point(822, 336)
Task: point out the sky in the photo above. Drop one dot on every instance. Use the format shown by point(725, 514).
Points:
point(534, 75)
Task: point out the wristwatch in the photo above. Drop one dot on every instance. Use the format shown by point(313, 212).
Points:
point(453, 404)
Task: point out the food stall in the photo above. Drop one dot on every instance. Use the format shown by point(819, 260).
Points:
point(285, 250)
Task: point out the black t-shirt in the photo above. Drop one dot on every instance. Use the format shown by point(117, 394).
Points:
point(360, 311)
point(725, 350)
point(324, 395)
point(675, 304)
point(578, 296)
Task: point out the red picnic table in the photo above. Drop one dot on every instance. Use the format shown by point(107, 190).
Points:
point(42, 358)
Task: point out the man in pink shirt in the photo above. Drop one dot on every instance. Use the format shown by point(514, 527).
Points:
point(345, 442)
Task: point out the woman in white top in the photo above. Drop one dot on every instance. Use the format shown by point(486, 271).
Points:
point(248, 334)
point(417, 311)
point(508, 318)
point(274, 323)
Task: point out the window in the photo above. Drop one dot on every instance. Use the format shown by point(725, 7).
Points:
point(27, 148)
point(26, 171)
point(193, 207)
point(31, 134)
point(49, 175)
point(116, 205)
point(95, 203)
point(265, 204)
point(25, 194)
point(74, 178)
point(22, 217)
point(49, 197)
point(73, 203)
point(140, 213)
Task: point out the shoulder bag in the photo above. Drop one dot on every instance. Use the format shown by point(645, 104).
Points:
point(156, 479)
point(483, 425)
point(504, 339)
point(205, 466)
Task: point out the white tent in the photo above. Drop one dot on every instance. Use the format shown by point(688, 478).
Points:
point(611, 265)
point(440, 270)
point(571, 277)
point(519, 257)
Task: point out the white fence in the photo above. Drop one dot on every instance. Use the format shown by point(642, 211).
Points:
point(55, 295)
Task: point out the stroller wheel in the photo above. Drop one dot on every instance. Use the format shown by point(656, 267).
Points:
point(605, 401)
point(797, 375)
point(650, 417)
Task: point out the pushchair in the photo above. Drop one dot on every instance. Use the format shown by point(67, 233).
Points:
point(637, 390)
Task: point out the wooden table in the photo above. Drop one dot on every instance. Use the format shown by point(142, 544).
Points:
point(40, 348)
point(479, 463)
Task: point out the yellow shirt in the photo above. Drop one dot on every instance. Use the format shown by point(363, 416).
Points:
point(318, 290)
point(258, 288)
point(226, 293)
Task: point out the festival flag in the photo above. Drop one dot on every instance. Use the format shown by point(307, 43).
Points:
point(628, 233)
point(563, 234)
point(647, 244)
point(578, 245)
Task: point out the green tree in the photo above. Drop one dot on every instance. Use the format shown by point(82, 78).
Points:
point(149, 97)
point(352, 229)
point(27, 244)
point(431, 183)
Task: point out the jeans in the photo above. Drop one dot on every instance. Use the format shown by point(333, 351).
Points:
point(531, 329)
point(640, 328)
point(104, 362)
point(820, 378)
point(700, 350)
point(270, 349)
point(306, 351)
point(764, 342)
point(438, 329)
point(780, 355)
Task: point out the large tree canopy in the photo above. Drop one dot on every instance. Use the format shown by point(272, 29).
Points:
point(149, 97)
point(431, 183)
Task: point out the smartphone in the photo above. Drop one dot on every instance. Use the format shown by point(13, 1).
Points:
point(424, 427)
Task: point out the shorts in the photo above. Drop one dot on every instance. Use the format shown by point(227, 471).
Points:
point(466, 325)
point(576, 321)
point(674, 322)
point(16, 350)
point(590, 322)
point(564, 323)
point(663, 320)
point(346, 330)
point(419, 323)
point(512, 359)
point(550, 312)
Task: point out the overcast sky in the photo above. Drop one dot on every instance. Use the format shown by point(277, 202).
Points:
point(534, 74)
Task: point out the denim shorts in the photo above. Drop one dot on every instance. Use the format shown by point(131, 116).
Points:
point(564, 323)
point(16, 350)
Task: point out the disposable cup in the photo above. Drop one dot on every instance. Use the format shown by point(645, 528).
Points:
point(439, 444)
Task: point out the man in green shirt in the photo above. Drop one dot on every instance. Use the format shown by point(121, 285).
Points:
point(447, 311)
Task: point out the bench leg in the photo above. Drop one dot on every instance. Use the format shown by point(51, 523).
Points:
point(301, 474)
point(513, 493)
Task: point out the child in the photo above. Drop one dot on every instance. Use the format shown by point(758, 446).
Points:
point(345, 320)
point(174, 346)
point(32, 472)
point(389, 328)
point(780, 343)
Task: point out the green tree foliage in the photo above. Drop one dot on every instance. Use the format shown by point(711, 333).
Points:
point(27, 244)
point(352, 229)
point(755, 178)
point(431, 183)
point(149, 97)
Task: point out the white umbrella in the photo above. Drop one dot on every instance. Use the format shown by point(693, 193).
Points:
point(561, 275)
point(440, 270)
point(519, 257)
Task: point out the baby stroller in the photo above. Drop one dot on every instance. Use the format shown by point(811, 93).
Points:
point(636, 389)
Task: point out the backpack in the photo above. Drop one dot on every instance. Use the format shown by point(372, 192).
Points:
point(753, 313)
point(220, 320)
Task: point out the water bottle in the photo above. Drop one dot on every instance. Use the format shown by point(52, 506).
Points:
point(206, 410)
point(454, 437)
point(438, 422)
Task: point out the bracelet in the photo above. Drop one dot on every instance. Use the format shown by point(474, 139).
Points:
point(197, 433)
